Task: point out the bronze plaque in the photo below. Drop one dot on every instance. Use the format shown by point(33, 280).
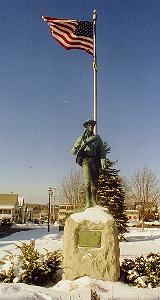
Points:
point(90, 238)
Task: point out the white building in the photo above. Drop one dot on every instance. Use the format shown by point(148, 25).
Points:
point(132, 214)
point(9, 207)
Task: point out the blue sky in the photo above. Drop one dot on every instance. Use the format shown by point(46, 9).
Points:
point(46, 92)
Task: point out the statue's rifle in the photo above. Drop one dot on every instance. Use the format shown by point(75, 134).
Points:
point(79, 158)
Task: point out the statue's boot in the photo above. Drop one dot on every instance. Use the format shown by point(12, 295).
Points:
point(88, 198)
point(94, 202)
point(88, 202)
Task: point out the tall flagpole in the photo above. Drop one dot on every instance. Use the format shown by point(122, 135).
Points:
point(95, 69)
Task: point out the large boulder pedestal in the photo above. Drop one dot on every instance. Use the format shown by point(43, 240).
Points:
point(91, 246)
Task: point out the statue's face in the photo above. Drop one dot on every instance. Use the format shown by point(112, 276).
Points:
point(90, 128)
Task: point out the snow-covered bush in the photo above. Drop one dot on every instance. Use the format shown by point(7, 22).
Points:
point(144, 271)
point(31, 267)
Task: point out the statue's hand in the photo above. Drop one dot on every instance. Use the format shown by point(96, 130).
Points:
point(103, 164)
point(82, 144)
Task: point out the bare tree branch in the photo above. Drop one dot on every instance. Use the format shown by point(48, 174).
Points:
point(143, 192)
point(71, 189)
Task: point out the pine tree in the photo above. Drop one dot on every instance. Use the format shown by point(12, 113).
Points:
point(110, 194)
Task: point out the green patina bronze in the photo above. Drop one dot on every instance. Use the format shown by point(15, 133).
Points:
point(78, 210)
point(90, 238)
point(91, 155)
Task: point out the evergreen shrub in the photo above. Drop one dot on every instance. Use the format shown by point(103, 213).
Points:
point(143, 271)
point(31, 267)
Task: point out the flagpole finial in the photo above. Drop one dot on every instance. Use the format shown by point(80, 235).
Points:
point(94, 14)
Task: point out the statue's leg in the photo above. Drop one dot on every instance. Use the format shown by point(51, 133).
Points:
point(94, 171)
point(87, 182)
point(94, 194)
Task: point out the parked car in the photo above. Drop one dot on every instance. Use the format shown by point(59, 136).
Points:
point(6, 222)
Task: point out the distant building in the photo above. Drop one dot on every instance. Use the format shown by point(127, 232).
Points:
point(22, 209)
point(9, 207)
point(37, 212)
point(55, 212)
point(21, 201)
point(65, 210)
point(132, 214)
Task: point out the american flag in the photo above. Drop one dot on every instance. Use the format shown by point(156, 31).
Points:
point(72, 34)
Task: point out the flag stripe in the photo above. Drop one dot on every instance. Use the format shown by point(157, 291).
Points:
point(59, 20)
point(71, 45)
point(64, 31)
point(68, 27)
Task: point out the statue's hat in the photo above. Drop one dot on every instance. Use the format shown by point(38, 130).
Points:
point(91, 122)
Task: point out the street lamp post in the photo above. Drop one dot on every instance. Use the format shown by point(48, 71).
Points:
point(53, 202)
point(49, 206)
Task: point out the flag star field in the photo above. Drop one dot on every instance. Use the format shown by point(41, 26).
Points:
point(84, 28)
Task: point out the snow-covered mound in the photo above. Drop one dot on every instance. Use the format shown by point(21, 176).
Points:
point(138, 242)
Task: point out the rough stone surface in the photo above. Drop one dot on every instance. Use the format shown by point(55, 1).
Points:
point(99, 263)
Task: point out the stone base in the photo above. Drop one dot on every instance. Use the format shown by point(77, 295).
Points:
point(91, 246)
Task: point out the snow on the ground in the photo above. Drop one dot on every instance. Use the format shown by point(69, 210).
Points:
point(79, 289)
point(44, 240)
point(138, 242)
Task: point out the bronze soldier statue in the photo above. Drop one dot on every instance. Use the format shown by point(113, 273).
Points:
point(91, 156)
